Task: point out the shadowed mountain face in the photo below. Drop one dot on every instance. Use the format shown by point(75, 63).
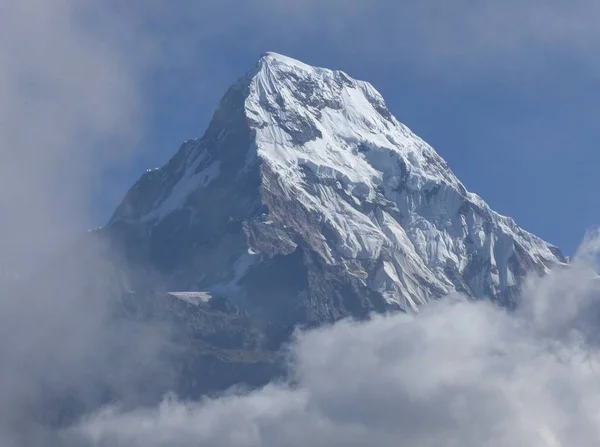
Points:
point(307, 201)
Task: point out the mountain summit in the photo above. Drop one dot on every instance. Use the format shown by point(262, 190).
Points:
point(306, 200)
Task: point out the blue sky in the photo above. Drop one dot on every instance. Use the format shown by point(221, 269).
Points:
point(506, 92)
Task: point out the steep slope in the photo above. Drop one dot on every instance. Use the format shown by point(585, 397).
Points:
point(306, 201)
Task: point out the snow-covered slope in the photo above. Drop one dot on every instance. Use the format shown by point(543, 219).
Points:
point(307, 200)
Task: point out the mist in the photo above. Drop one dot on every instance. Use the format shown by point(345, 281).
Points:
point(70, 107)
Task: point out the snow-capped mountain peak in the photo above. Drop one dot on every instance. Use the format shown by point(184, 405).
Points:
point(305, 179)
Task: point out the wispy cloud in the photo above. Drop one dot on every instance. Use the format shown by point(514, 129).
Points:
point(461, 36)
point(69, 106)
point(444, 39)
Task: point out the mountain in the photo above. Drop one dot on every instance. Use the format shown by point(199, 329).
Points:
point(306, 201)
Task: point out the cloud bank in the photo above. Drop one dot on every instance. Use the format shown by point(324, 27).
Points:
point(458, 374)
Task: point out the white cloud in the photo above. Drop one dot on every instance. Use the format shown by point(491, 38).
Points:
point(459, 374)
point(69, 107)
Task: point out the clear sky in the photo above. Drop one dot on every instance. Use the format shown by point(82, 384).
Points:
point(507, 92)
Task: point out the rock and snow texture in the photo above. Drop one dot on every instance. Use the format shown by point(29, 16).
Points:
point(307, 197)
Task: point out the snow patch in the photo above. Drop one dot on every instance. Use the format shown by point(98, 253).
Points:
point(195, 298)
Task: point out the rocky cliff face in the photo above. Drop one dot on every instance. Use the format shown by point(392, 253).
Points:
point(306, 201)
